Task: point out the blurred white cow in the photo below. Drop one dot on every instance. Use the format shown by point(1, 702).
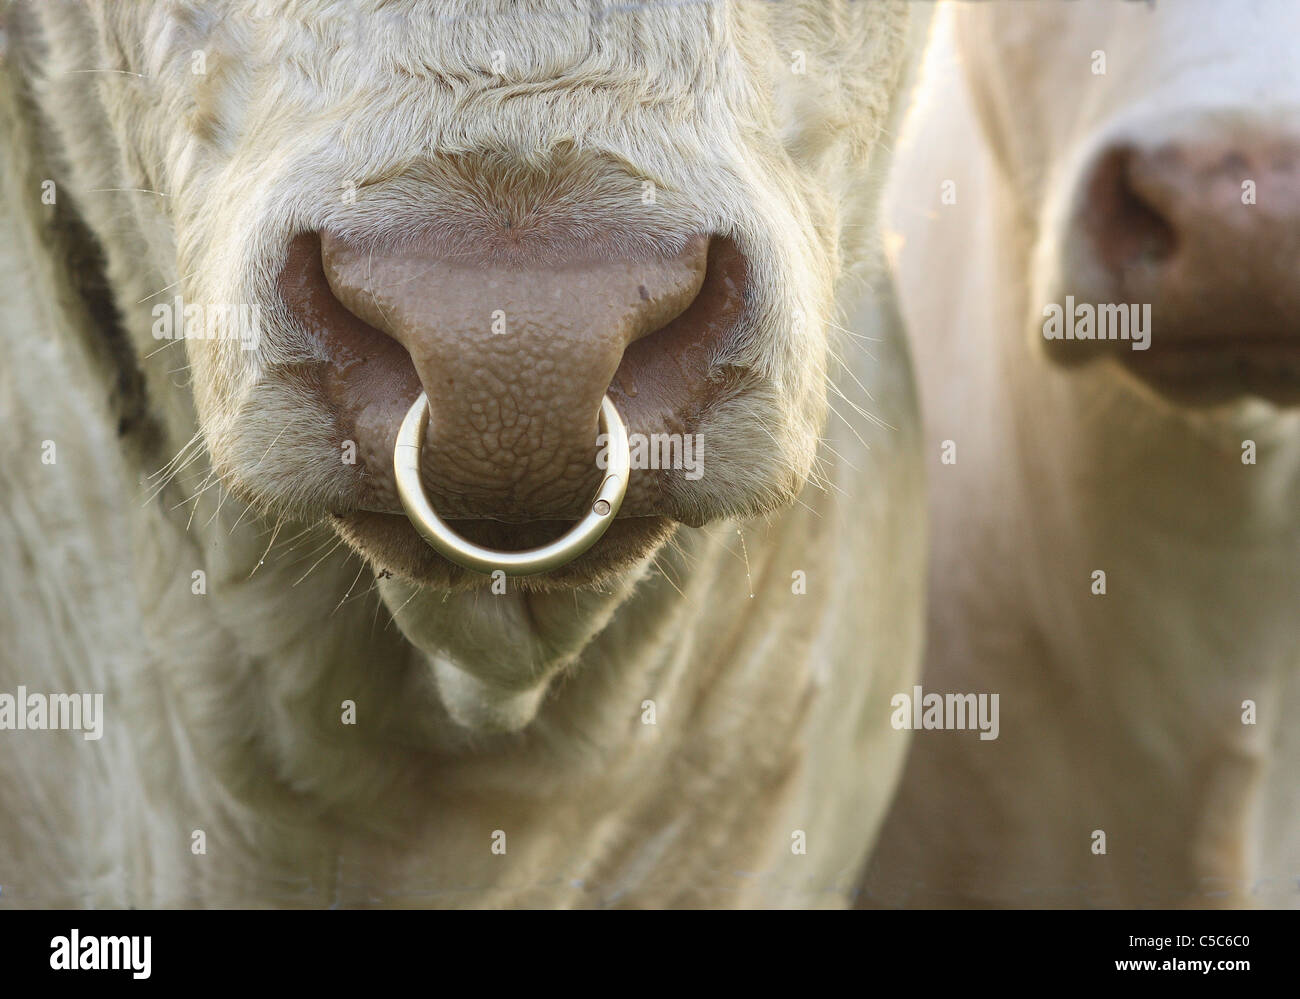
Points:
point(1117, 529)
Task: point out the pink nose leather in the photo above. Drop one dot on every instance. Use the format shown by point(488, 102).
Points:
point(1206, 230)
point(515, 359)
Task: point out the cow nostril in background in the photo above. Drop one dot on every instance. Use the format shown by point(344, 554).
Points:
point(1126, 229)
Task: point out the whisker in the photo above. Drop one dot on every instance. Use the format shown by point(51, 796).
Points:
point(122, 71)
point(360, 569)
point(274, 533)
point(338, 542)
point(852, 429)
point(860, 336)
point(130, 190)
point(168, 288)
point(859, 410)
point(165, 344)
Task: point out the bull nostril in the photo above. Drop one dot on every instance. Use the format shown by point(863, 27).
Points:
point(684, 350)
point(1126, 229)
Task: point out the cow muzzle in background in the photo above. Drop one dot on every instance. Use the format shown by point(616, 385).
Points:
point(1198, 225)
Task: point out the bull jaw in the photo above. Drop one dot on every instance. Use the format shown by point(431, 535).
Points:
point(494, 654)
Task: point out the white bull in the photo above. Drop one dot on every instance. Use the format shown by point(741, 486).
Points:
point(189, 527)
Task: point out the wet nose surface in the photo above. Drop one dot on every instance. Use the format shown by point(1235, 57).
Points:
point(515, 360)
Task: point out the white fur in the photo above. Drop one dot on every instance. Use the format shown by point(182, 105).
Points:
point(223, 709)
